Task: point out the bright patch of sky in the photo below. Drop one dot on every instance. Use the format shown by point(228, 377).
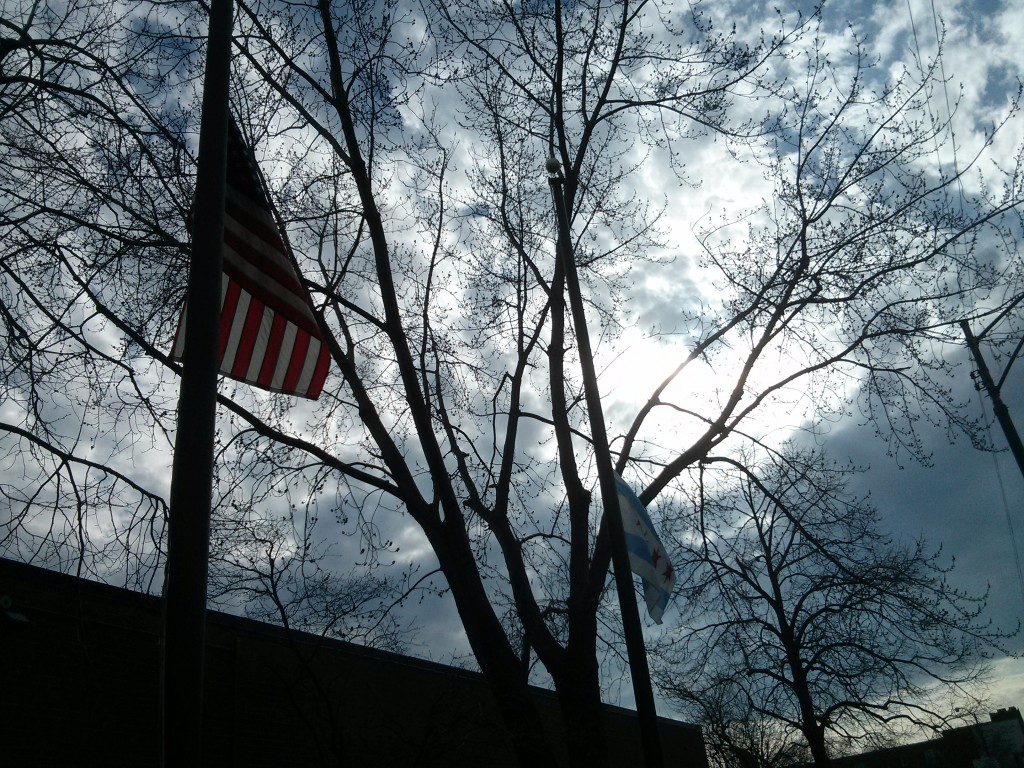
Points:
point(965, 502)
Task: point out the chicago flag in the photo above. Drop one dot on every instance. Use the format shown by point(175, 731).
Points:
point(647, 556)
point(269, 336)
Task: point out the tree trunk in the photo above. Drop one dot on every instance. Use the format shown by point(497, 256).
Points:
point(815, 736)
point(499, 663)
point(579, 694)
point(809, 725)
point(577, 682)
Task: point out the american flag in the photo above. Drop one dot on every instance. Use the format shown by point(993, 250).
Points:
point(269, 336)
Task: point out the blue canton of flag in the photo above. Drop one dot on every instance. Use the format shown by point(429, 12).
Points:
point(647, 556)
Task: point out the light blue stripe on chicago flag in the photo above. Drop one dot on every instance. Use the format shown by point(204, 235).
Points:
point(647, 556)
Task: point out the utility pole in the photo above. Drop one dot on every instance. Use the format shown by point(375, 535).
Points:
point(993, 390)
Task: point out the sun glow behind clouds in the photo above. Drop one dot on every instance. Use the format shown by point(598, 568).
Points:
point(641, 363)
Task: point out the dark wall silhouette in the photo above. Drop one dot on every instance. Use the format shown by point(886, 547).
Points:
point(996, 744)
point(79, 686)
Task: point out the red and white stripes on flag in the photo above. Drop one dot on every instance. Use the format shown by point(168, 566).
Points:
point(269, 336)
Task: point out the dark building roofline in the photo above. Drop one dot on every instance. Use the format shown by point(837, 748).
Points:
point(14, 571)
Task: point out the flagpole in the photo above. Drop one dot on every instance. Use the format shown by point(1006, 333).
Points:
point(635, 650)
point(188, 525)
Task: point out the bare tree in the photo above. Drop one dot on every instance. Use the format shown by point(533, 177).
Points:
point(843, 283)
point(97, 123)
point(454, 400)
point(77, 395)
point(799, 607)
point(735, 735)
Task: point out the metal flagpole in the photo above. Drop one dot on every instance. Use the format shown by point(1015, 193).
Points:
point(639, 671)
point(188, 525)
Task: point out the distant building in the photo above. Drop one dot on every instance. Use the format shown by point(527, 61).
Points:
point(996, 744)
point(79, 687)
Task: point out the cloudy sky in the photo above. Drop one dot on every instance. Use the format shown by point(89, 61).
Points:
point(968, 501)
